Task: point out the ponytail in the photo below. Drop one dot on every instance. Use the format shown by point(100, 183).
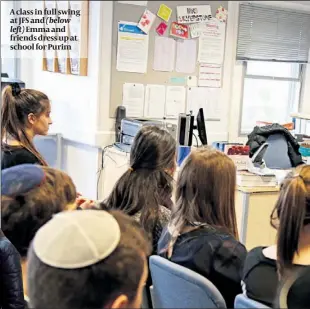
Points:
point(291, 210)
point(17, 104)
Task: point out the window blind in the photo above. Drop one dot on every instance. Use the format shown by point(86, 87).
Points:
point(267, 33)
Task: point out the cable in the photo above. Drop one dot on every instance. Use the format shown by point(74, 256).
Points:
point(101, 168)
point(196, 139)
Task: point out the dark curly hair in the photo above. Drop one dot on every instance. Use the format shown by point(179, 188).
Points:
point(24, 214)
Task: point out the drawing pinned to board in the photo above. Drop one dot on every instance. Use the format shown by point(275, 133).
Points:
point(161, 28)
point(221, 14)
point(133, 99)
point(164, 54)
point(186, 56)
point(132, 48)
point(210, 75)
point(212, 43)
point(146, 21)
point(193, 14)
point(179, 31)
point(164, 12)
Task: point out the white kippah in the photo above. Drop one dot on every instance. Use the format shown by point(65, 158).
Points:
point(76, 239)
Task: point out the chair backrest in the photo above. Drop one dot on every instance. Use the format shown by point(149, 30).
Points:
point(276, 155)
point(243, 302)
point(175, 286)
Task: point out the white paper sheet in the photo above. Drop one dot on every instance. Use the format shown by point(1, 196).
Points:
point(186, 56)
point(193, 14)
point(175, 101)
point(132, 48)
point(210, 75)
point(141, 3)
point(207, 98)
point(155, 100)
point(212, 43)
point(164, 54)
point(133, 99)
point(192, 81)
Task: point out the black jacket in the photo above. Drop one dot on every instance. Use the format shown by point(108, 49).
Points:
point(11, 283)
point(260, 135)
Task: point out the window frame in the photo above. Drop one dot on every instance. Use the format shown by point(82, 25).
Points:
point(300, 79)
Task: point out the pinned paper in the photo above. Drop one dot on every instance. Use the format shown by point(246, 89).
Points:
point(177, 80)
point(192, 81)
point(194, 14)
point(164, 12)
point(161, 29)
point(146, 21)
point(179, 31)
point(221, 14)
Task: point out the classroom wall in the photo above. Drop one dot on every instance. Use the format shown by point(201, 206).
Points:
point(81, 112)
point(74, 108)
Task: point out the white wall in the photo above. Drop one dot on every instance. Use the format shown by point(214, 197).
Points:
point(74, 106)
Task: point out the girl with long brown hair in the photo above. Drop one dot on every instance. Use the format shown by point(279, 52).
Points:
point(25, 113)
point(202, 233)
point(266, 266)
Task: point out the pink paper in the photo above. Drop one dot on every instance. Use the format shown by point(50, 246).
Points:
point(161, 29)
point(146, 21)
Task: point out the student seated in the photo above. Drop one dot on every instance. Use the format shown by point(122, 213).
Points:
point(264, 266)
point(202, 234)
point(25, 113)
point(31, 195)
point(11, 283)
point(95, 259)
point(144, 190)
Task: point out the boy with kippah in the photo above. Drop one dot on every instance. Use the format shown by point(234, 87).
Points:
point(88, 259)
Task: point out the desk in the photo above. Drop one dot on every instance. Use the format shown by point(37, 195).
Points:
point(253, 204)
point(253, 209)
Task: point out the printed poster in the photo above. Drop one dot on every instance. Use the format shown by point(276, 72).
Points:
point(132, 48)
point(193, 14)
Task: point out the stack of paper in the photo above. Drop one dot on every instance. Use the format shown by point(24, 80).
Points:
point(247, 179)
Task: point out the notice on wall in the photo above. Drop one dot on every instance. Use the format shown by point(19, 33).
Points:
point(164, 54)
point(186, 56)
point(212, 43)
point(146, 21)
point(132, 48)
point(155, 100)
point(179, 31)
point(210, 75)
point(207, 98)
point(193, 14)
point(133, 99)
point(175, 101)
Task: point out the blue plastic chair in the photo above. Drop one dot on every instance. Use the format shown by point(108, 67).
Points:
point(175, 286)
point(243, 302)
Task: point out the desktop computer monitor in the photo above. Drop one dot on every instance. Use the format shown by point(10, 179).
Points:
point(201, 127)
point(5, 81)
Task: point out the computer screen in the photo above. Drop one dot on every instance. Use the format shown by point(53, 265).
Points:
point(8, 81)
point(201, 127)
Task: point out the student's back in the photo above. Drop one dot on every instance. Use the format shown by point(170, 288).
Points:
point(144, 190)
point(265, 266)
point(202, 234)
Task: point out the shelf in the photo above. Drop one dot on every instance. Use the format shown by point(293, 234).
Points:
point(300, 116)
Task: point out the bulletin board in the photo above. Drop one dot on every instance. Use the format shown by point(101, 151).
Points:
point(132, 13)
